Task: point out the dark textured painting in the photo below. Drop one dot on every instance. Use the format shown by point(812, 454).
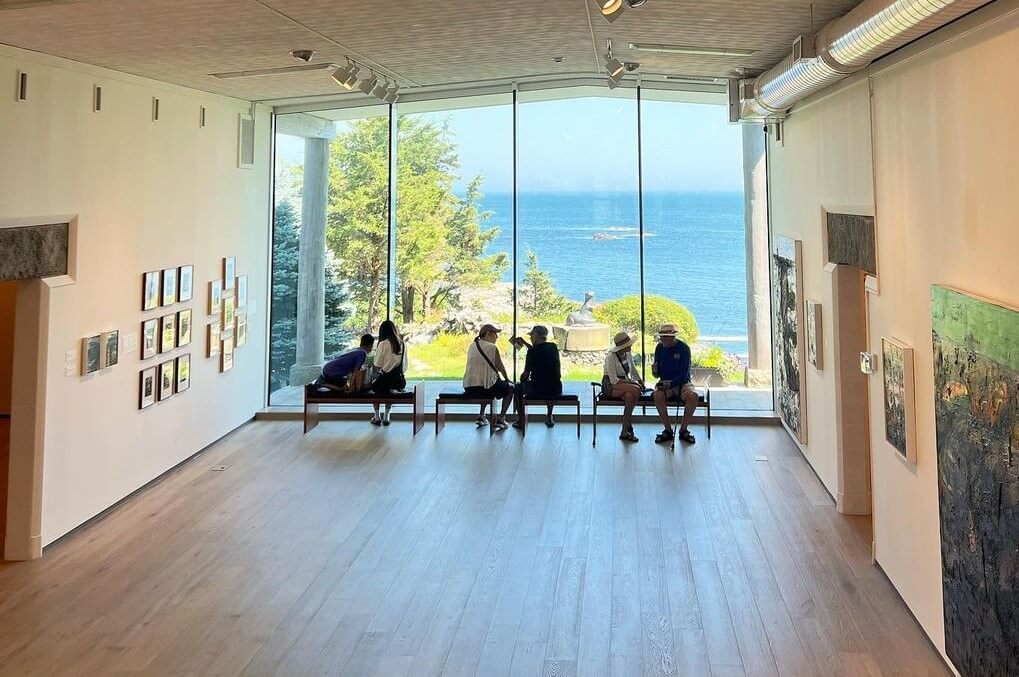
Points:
point(786, 260)
point(850, 241)
point(976, 380)
point(33, 252)
point(900, 414)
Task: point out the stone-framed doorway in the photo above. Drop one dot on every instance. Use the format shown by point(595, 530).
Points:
point(39, 254)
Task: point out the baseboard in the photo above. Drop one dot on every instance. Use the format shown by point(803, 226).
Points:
point(155, 480)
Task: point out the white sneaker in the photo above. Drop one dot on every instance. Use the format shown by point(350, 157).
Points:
point(481, 421)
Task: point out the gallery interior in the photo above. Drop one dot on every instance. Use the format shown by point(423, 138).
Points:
point(203, 202)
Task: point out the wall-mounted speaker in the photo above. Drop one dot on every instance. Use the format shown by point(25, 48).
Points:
point(21, 93)
point(97, 98)
point(201, 116)
point(155, 109)
point(245, 141)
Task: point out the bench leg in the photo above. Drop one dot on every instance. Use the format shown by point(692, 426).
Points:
point(418, 415)
point(310, 416)
point(440, 416)
point(578, 418)
point(709, 419)
point(522, 417)
point(594, 422)
point(493, 418)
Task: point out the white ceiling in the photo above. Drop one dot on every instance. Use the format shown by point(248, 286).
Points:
point(416, 42)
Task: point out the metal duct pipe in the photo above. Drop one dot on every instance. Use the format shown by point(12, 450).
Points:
point(868, 32)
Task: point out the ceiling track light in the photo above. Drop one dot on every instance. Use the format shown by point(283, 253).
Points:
point(613, 66)
point(343, 73)
point(380, 90)
point(613, 9)
point(367, 85)
point(392, 94)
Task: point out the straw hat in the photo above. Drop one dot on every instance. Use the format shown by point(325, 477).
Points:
point(622, 341)
point(667, 330)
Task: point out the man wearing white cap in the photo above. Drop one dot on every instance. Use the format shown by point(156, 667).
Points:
point(672, 368)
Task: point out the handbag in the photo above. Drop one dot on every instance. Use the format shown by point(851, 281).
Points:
point(606, 382)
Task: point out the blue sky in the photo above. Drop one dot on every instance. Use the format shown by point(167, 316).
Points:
point(590, 144)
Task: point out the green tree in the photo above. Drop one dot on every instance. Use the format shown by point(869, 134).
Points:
point(285, 269)
point(440, 239)
point(624, 313)
point(538, 297)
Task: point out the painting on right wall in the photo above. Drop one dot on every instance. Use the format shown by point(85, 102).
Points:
point(790, 390)
point(976, 381)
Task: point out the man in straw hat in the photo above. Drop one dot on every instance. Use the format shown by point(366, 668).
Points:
point(672, 368)
point(622, 381)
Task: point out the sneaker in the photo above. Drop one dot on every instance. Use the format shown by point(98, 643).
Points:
point(628, 436)
point(481, 421)
point(500, 425)
point(550, 422)
point(665, 437)
point(376, 420)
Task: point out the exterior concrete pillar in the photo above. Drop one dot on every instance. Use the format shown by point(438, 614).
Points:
point(755, 186)
point(311, 270)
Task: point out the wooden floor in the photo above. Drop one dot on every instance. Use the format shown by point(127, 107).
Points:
point(355, 551)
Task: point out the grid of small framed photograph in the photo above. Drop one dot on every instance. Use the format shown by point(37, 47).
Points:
point(163, 334)
point(227, 328)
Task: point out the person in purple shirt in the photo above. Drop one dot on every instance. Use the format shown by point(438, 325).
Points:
point(672, 368)
point(336, 372)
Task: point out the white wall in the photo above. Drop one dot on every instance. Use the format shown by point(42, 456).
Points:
point(944, 176)
point(147, 195)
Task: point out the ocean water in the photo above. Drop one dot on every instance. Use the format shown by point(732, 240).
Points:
point(694, 250)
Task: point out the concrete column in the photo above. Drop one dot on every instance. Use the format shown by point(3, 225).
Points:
point(755, 186)
point(311, 271)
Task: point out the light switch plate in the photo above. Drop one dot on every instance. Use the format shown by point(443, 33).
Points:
point(71, 363)
point(130, 343)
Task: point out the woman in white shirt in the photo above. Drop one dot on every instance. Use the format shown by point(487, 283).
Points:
point(485, 375)
point(390, 360)
point(621, 381)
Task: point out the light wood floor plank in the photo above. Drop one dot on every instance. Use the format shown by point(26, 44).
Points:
point(363, 551)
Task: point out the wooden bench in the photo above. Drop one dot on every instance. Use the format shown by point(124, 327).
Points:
point(460, 398)
point(602, 400)
point(316, 397)
point(564, 400)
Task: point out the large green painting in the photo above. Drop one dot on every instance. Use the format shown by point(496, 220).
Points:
point(976, 380)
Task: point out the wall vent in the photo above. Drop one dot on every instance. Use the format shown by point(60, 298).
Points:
point(245, 141)
point(155, 109)
point(201, 116)
point(97, 98)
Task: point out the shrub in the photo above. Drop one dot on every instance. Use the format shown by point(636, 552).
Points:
point(624, 313)
point(729, 366)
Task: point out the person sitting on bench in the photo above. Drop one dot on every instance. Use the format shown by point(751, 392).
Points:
point(622, 382)
point(542, 376)
point(485, 375)
point(390, 358)
point(346, 372)
point(672, 368)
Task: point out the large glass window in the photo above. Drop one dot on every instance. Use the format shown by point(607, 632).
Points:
point(579, 246)
point(330, 235)
point(544, 212)
point(695, 253)
point(454, 230)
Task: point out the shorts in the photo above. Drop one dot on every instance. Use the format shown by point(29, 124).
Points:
point(527, 389)
point(679, 392)
point(500, 390)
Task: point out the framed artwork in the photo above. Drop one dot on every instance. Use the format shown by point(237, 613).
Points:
point(150, 338)
point(167, 376)
point(147, 388)
point(150, 290)
point(815, 337)
point(168, 331)
point(91, 355)
point(242, 291)
point(183, 372)
point(184, 328)
point(899, 402)
point(110, 352)
point(229, 272)
point(241, 333)
point(228, 310)
point(226, 356)
point(790, 376)
point(169, 287)
point(215, 297)
point(186, 284)
point(213, 337)
point(976, 408)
